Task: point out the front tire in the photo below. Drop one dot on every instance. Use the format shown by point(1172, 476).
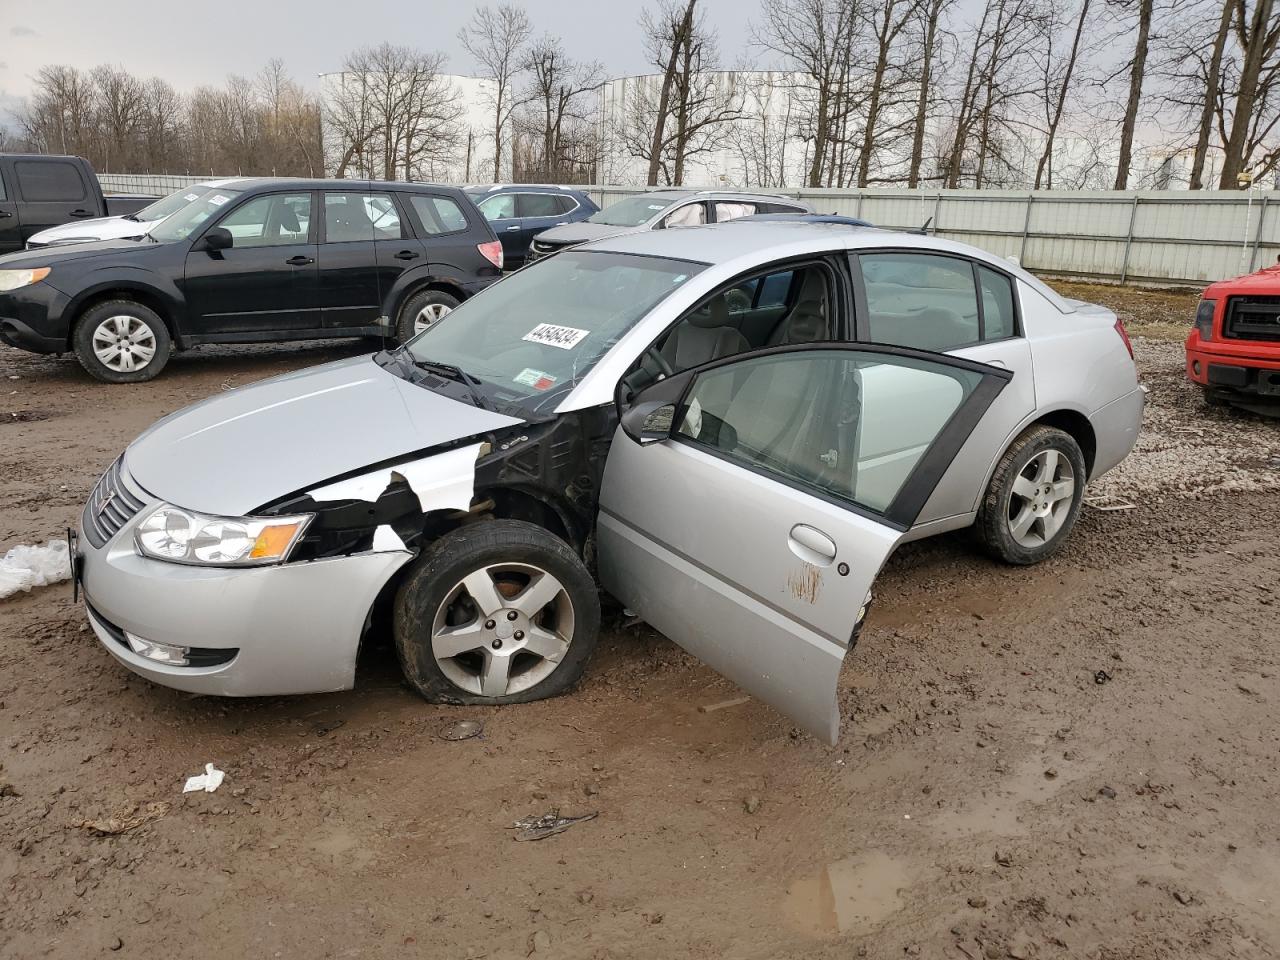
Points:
point(496, 612)
point(1034, 497)
point(121, 341)
point(421, 311)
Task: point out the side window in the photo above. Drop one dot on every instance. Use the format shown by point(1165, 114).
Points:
point(3, 195)
point(438, 214)
point(775, 289)
point(690, 215)
point(920, 300)
point(998, 316)
point(843, 423)
point(500, 206)
point(272, 220)
point(565, 203)
point(360, 216)
point(49, 181)
point(537, 205)
point(732, 210)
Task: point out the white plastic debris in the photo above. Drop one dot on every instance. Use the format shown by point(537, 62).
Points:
point(385, 539)
point(25, 567)
point(208, 781)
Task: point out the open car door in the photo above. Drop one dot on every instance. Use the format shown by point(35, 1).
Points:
point(749, 504)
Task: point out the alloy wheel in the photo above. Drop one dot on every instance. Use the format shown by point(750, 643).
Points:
point(1041, 499)
point(124, 344)
point(502, 629)
point(428, 315)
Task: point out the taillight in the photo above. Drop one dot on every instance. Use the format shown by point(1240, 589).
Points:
point(1204, 318)
point(1124, 335)
point(491, 251)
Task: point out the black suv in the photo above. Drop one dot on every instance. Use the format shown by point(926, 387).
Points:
point(264, 260)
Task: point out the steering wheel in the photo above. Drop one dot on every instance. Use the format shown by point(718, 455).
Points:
point(659, 361)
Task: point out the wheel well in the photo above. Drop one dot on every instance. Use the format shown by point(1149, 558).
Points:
point(1081, 430)
point(148, 300)
point(443, 286)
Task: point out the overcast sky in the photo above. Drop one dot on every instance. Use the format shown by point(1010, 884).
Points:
point(195, 43)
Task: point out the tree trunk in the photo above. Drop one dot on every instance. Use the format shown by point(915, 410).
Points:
point(1210, 97)
point(873, 104)
point(922, 104)
point(1046, 156)
point(1145, 9)
point(1253, 39)
point(664, 98)
point(497, 135)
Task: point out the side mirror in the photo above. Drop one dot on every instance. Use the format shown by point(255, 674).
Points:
point(648, 421)
point(217, 238)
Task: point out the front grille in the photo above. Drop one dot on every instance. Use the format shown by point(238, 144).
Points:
point(1252, 318)
point(110, 506)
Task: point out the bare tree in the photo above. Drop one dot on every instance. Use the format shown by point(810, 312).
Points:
point(930, 16)
point(1257, 34)
point(496, 37)
point(1211, 86)
point(888, 22)
point(558, 114)
point(1136, 67)
point(1055, 100)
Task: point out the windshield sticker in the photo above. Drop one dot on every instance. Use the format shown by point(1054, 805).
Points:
point(191, 197)
point(218, 199)
point(537, 379)
point(566, 338)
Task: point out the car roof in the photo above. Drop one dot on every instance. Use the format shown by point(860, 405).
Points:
point(677, 194)
point(304, 183)
point(478, 188)
point(752, 240)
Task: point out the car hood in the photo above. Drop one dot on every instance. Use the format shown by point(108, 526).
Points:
point(231, 454)
point(82, 231)
point(583, 232)
point(65, 253)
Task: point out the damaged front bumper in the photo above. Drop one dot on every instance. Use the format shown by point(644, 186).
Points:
point(258, 631)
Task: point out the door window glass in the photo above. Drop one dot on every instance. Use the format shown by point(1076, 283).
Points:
point(732, 210)
point(501, 206)
point(537, 205)
point(565, 203)
point(274, 220)
point(438, 214)
point(997, 305)
point(690, 215)
point(775, 289)
point(3, 195)
point(920, 300)
point(844, 423)
point(49, 181)
point(360, 216)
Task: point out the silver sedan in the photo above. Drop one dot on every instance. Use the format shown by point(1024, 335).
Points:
point(728, 428)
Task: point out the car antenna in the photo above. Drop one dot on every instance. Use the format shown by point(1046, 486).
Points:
point(924, 230)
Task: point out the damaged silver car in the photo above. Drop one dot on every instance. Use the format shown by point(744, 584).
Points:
point(732, 427)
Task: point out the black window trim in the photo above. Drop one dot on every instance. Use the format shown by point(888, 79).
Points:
point(415, 221)
point(901, 512)
point(862, 323)
point(248, 197)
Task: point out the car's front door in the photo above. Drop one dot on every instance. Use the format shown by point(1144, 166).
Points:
point(266, 282)
point(740, 515)
point(363, 250)
point(10, 222)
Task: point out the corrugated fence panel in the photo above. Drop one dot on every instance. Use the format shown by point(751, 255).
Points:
point(1156, 236)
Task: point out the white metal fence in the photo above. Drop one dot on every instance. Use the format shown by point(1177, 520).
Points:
point(1167, 237)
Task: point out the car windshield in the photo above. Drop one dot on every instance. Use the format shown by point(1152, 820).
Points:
point(631, 212)
point(183, 223)
point(169, 205)
point(537, 332)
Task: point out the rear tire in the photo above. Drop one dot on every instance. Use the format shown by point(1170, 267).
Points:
point(1034, 497)
point(496, 612)
point(421, 310)
point(121, 341)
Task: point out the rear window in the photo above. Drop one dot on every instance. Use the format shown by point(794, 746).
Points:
point(438, 214)
point(49, 181)
point(538, 205)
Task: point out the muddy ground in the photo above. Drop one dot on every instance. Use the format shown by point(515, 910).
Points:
point(988, 797)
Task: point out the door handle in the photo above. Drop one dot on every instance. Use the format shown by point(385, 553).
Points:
point(82, 213)
point(407, 255)
point(514, 227)
point(996, 363)
point(5, 214)
point(812, 545)
point(299, 261)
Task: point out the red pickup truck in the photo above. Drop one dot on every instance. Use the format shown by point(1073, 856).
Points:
point(1233, 350)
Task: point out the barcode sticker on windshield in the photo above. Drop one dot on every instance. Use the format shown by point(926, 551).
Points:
point(218, 199)
point(566, 338)
point(191, 197)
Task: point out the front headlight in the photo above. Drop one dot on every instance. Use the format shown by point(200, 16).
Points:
point(181, 536)
point(13, 279)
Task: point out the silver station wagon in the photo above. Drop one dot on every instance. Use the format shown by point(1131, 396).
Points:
point(730, 428)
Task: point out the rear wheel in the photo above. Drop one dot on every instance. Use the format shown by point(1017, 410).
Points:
point(121, 341)
point(421, 311)
point(1034, 496)
point(496, 612)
